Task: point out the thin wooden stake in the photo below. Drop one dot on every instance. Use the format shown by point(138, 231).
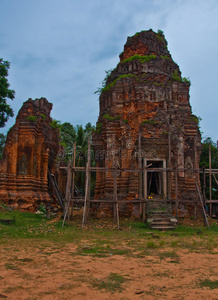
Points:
point(169, 173)
point(115, 195)
point(68, 192)
point(86, 195)
point(210, 179)
point(73, 180)
point(202, 204)
point(140, 172)
point(89, 177)
point(115, 198)
point(176, 179)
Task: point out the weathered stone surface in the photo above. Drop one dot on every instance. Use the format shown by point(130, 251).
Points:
point(146, 93)
point(31, 147)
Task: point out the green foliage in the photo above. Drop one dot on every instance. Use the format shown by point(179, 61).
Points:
point(104, 82)
point(2, 143)
point(5, 93)
point(108, 117)
point(42, 208)
point(107, 87)
point(151, 245)
point(112, 283)
point(55, 124)
point(69, 135)
point(212, 284)
point(195, 119)
point(98, 128)
point(152, 122)
point(141, 58)
point(125, 121)
point(32, 118)
point(165, 56)
point(43, 117)
point(160, 36)
point(160, 32)
point(176, 77)
point(186, 79)
point(204, 162)
point(136, 34)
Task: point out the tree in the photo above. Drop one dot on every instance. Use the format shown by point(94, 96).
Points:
point(204, 162)
point(2, 143)
point(80, 135)
point(5, 93)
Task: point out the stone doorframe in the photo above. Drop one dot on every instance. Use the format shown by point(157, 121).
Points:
point(145, 183)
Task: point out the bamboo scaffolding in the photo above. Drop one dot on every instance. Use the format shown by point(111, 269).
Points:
point(72, 169)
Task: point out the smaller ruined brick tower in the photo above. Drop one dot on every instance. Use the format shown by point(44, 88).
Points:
point(30, 149)
point(145, 94)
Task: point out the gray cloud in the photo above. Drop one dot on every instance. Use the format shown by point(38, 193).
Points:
point(60, 49)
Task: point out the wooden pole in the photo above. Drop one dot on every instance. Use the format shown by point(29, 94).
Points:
point(68, 192)
point(140, 172)
point(115, 195)
point(86, 194)
point(196, 159)
point(89, 176)
point(176, 179)
point(210, 179)
point(73, 180)
point(116, 208)
point(87, 187)
point(204, 184)
point(199, 194)
point(169, 173)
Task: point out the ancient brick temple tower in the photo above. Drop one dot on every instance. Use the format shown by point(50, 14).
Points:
point(146, 94)
point(30, 149)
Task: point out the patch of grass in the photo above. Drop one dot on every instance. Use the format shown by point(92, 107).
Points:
point(108, 86)
point(168, 254)
point(11, 289)
point(55, 124)
point(152, 122)
point(108, 117)
point(112, 283)
point(32, 118)
point(151, 245)
point(98, 128)
point(212, 284)
point(10, 266)
point(174, 243)
point(165, 56)
point(141, 58)
point(101, 251)
point(68, 286)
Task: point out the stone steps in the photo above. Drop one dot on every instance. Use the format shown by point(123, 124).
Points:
point(160, 215)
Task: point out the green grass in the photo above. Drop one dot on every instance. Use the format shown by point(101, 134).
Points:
point(141, 58)
point(108, 86)
point(168, 254)
point(212, 284)
point(101, 238)
point(112, 283)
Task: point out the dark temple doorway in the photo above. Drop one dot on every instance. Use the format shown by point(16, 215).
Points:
point(155, 178)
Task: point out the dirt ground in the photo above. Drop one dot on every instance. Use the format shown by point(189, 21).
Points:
point(53, 270)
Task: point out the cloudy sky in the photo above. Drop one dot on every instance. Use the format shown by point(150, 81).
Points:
point(60, 49)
